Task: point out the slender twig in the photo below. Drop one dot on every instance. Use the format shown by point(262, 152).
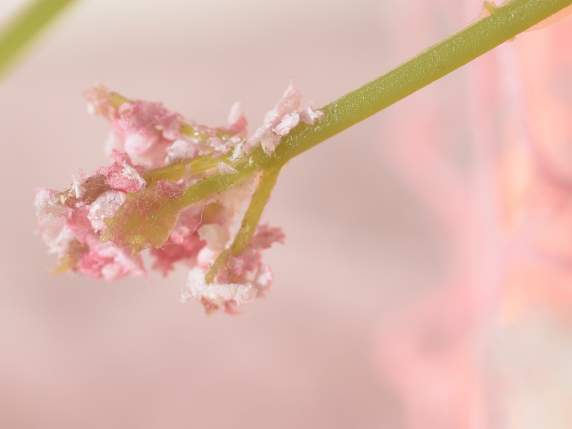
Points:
point(443, 58)
point(249, 222)
point(255, 209)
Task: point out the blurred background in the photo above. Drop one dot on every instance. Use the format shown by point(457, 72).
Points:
point(389, 308)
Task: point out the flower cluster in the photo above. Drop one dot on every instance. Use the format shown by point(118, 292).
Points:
point(101, 225)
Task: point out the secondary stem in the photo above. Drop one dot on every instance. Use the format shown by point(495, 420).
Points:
point(254, 211)
point(250, 221)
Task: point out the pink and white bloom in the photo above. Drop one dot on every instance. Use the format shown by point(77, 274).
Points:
point(70, 227)
point(283, 118)
point(243, 278)
point(146, 136)
point(104, 207)
point(122, 175)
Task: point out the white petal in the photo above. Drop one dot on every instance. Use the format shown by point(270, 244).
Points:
point(104, 207)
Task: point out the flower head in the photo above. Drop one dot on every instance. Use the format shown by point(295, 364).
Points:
point(151, 198)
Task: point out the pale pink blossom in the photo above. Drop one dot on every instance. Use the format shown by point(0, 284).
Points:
point(310, 116)
point(107, 261)
point(70, 229)
point(51, 214)
point(287, 124)
point(243, 278)
point(180, 150)
point(145, 131)
point(104, 207)
point(78, 221)
point(142, 129)
point(226, 296)
point(215, 236)
point(266, 236)
point(237, 122)
point(76, 187)
point(184, 242)
point(121, 175)
point(269, 141)
point(283, 118)
point(105, 222)
point(99, 102)
point(217, 296)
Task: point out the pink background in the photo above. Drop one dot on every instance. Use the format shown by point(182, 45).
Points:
point(76, 353)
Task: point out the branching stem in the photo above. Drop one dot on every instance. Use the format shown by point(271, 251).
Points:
point(441, 59)
point(503, 24)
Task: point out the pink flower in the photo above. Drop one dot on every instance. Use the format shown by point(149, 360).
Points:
point(184, 242)
point(99, 102)
point(266, 236)
point(51, 214)
point(282, 119)
point(104, 207)
point(142, 129)
point(70, 227)
point(105, 222)
point(145, 130)
point(310, 116)
point(77, 220)
point(180, 150)
point(244, 278)
point(217, 296)
point(107, 261)
point(237, 122)
point(121, 175)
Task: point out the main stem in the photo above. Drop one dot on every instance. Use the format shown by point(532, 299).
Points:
point(441, 59)
point(503, 24)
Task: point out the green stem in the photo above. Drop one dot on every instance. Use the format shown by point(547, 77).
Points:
point(213, 185)
point(254, 212)
point(249, 221)
point(176, 171)
point(24, 27)
point(504, 24)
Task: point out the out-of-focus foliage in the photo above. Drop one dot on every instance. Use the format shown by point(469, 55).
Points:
point(25, 26)
point(490, 347)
